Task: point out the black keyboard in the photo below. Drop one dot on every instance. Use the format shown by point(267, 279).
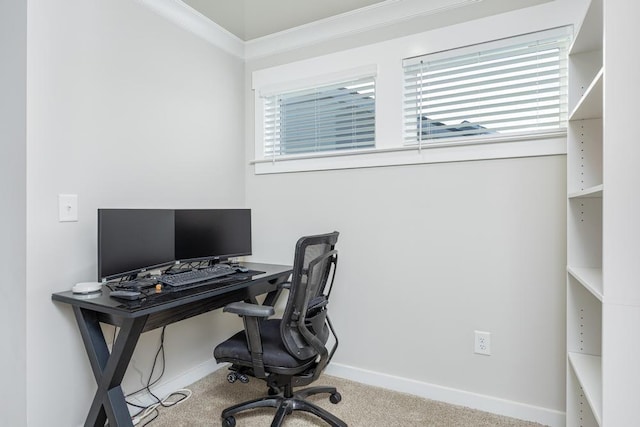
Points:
point(196, 276)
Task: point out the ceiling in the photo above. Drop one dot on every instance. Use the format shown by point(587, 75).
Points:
point(252, 19)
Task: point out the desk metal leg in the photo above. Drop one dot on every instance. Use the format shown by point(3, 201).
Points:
point(108, 368)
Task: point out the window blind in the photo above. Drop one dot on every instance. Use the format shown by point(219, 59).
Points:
point(339, 116)
point(515, 85)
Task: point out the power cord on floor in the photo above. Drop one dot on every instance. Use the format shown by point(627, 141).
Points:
point(165, 403)
point(168, 401)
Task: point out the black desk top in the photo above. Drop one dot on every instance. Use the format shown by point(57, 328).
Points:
point(168, 298)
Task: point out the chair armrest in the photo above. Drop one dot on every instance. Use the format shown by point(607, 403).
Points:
point(252, 315)
point(246, 309)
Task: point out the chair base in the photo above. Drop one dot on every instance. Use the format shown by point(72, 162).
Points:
point(286, 405)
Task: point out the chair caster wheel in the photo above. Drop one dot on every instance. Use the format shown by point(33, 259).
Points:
point(335, 398)
point(232, 377)
point(229, 422)
point(243, 378)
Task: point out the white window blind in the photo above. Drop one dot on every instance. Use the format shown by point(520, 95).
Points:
point(334, 117)
point(510, 86)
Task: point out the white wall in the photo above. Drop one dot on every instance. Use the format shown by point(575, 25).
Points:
point(13, 94)
point(430, 253)
point(126, 110)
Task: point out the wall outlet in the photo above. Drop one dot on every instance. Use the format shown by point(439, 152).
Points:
point(482, 343)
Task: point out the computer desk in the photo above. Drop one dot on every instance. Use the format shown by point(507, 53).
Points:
point(138, 316)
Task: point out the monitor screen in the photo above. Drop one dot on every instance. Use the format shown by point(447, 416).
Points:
point(133, 240)
point(212, 233)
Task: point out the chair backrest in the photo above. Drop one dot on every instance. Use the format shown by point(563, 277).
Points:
point(304, 327)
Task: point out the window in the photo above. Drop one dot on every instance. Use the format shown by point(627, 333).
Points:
point(334, 117)
point(379, 105)
point(506, 87)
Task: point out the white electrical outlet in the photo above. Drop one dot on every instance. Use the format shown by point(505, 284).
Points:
point(482, 343)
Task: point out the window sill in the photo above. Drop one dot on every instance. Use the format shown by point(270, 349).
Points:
point(441, 152)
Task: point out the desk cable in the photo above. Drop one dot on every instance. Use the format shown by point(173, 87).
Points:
point(152, 410)
point(166, 403)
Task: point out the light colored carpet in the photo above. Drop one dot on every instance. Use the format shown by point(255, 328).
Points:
point(361, 406)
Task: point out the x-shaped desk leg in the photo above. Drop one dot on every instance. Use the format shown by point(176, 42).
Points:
point(108, 367)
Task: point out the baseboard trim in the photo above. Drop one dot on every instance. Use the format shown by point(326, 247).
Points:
point(481, 402)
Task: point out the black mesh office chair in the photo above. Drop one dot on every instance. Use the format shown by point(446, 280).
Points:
point(292, 351)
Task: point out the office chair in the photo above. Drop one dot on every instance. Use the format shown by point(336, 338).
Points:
point(291, 351)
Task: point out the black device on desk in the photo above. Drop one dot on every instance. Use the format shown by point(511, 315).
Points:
point(131, 241)
point(135, 241)
point(212, 234)
point(135, 284)
point(197, 275)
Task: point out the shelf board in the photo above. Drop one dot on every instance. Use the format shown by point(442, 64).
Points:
point(588, 370)
point(590, 104)
point(590, 278)
point(594, 192)
point(589, 36)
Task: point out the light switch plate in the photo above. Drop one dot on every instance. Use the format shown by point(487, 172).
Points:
point(67, 207)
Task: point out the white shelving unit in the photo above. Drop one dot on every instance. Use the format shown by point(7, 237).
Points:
point(603, 219)
point(585, 288)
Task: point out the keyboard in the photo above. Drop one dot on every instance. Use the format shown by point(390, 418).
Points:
point(197, 276)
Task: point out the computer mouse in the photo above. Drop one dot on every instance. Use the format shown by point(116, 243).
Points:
point(86, 287)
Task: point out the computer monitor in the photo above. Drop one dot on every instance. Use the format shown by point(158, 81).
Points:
point(134, 240)
point(213, 234)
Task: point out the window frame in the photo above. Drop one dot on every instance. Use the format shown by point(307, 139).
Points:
point(413, 66)
point(343, 111)
point(384, 60)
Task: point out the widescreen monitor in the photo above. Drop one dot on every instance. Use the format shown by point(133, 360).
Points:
point(134, 240)
point(214, 234)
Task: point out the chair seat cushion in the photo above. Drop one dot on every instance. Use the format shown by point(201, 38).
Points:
point(275, 356)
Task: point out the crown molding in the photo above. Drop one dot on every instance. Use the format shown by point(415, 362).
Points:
point(191, 20)
point(378, 15)
point(372, 17)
